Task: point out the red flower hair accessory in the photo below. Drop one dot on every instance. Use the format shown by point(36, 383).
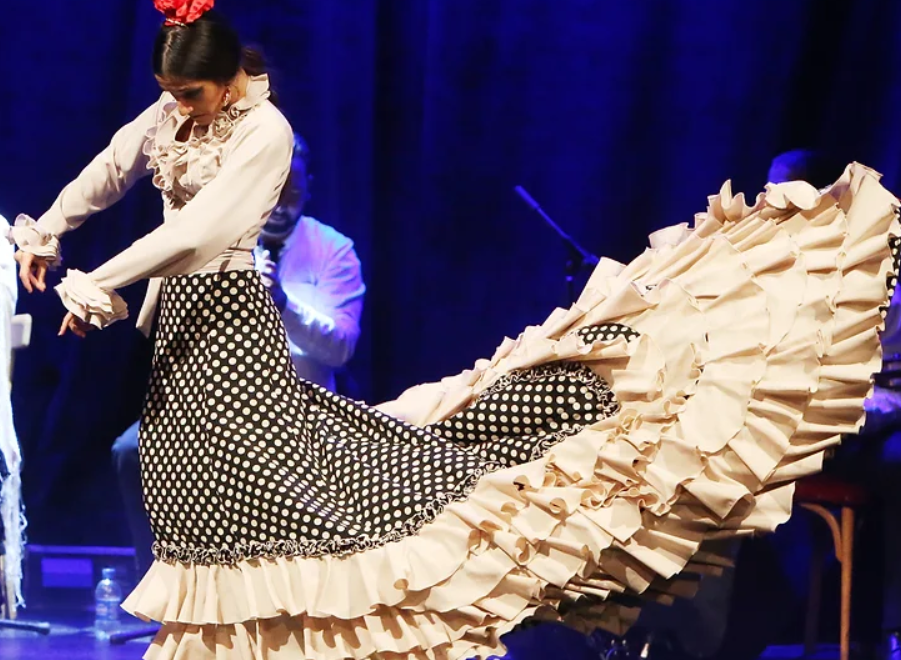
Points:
point(182, 12)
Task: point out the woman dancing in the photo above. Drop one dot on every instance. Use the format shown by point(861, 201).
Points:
point(583, 465)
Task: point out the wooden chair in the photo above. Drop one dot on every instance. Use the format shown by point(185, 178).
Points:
point(825, 496)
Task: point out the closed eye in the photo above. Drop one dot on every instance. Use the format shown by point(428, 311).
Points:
point(189, 94)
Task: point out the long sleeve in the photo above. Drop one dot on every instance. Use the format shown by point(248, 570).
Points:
point(237, 201)
point(101, 184)
point(325, 323)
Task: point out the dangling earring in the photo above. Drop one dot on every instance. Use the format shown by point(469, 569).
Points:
point(228, 97)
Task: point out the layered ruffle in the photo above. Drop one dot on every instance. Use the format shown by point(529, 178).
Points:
point(28, 236)
point(89, 302)
point(78, 292)
point(758, 335)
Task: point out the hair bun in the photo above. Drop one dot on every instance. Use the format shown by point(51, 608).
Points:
point(183, 12)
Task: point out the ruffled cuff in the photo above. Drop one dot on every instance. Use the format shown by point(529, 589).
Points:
point(89, 302)
point(28, 236)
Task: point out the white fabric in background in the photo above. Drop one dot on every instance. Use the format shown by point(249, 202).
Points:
point(13, 520)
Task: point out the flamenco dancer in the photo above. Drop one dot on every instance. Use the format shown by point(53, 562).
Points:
point(578, 470)
point(314, 276)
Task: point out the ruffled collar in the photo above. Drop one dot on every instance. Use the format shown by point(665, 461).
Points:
point(257, 91)
point(182, 168)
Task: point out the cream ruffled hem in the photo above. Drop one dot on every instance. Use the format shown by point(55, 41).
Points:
point(27, 235)
point(777, 306)
point(89, 302)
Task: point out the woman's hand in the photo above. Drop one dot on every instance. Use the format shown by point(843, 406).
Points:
point(76, 325)
point(32, 271)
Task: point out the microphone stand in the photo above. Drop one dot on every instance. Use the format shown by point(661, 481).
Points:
point(577, 256)
point(8, 620)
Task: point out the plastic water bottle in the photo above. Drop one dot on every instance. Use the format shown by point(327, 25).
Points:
point(107, 597)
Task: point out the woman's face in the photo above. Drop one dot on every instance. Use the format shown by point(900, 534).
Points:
point(201, 100)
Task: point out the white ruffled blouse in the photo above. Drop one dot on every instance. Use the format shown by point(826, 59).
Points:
point(219, 187)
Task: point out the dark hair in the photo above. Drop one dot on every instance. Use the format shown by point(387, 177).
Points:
point(301, 149)
point(292, 192)
point(815, 166)
point(207, 49)
point(301, 153)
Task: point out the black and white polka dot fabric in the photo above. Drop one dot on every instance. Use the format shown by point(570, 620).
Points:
point(606, 332)
point(242, 459)
point(891, 280)
point(523, 414)
point(895, 245)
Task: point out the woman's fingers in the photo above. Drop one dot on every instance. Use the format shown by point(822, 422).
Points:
point(25, 260)
point(65, 324)
point(42, 274)
point(74, 324)
point(32, 271)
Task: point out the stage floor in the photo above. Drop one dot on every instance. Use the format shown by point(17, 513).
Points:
point(71, 638)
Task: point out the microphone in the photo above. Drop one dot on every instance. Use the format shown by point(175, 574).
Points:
point(527, 198)
point(273, 247)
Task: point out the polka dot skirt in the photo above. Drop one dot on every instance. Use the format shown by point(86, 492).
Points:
point(892, 278)
point(242, 459)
